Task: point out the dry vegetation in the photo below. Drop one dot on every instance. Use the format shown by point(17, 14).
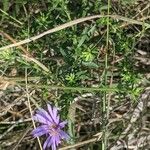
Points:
point(97, 71)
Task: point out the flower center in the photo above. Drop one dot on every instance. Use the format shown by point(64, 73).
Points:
point(54, 126)
point(54, 129)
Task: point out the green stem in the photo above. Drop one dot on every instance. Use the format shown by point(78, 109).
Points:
point(105, 101)
point(108, 89)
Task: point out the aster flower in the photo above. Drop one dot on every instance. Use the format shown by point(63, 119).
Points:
point(51, 126)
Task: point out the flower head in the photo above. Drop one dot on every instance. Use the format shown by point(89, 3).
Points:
point(51, 126)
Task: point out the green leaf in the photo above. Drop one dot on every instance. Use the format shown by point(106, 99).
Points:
point(90, 64)
point(63, 52)
point(82, 41)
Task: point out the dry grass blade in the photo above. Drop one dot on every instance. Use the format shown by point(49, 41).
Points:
point(71, 23)
point(21, 139)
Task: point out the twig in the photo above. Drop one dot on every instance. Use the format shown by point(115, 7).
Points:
point(135, 116)
point(8, 130)
point(82, 143)
point(29, 105)
point(16, 122)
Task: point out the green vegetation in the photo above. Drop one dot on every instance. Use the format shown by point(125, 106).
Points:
point(95, 56)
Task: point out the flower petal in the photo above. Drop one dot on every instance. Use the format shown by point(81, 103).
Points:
point(47, 143)
point(64, 135)
point(53, 113)
point(39, 131)
point(62, 124)
point(57, 120)
point(40, 119)
point(49, 109)
point(53, 143)
point(44, 114)
point(57, 140)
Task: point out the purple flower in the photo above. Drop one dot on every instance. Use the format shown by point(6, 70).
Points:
point(51, 126)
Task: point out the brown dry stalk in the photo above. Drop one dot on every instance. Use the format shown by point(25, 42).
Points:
point(79, 144)
point(14, 41)
point(27, 55)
